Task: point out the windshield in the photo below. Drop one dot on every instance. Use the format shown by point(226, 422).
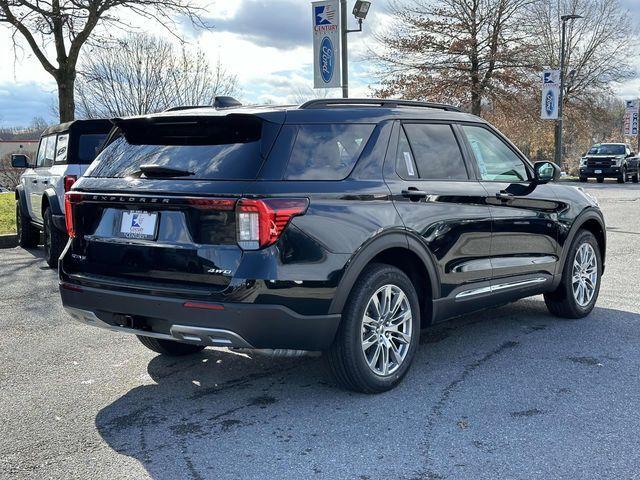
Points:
point(607, 149)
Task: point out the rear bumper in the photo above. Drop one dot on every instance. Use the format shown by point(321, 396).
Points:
point(604, 171)
point(221, 324)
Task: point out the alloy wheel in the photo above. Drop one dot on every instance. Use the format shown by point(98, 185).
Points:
point(584, 278)
point(386, 330)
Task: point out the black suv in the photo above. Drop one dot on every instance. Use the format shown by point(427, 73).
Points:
point(343, 226)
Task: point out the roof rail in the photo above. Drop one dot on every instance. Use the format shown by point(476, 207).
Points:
point(185, 107)
point(384, 102)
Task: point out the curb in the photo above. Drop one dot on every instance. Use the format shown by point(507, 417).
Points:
point(8, 241)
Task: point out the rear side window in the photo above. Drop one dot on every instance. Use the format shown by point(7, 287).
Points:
point(208, 148)
point(436, 152)
point(326, 152)
point(88, 146)
point(62, 148)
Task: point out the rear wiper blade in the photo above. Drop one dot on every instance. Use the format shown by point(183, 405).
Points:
point(163, 171)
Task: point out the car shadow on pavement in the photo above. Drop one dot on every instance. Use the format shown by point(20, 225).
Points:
point(231, 415)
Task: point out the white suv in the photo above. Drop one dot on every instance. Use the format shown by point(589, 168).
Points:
point(64, 153)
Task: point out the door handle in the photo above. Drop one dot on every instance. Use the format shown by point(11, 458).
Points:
point(504, 196)
point(34, 181)
point(414, 194)
point(45, 181)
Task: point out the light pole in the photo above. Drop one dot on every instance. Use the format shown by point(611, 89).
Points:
point(559, 124)
point(360, 11)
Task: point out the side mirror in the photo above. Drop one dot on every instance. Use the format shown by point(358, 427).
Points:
point(19, 160)
point(545, 172)
point(632, 154)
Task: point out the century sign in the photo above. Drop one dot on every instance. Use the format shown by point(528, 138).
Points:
point(326, 44)
point(550, 94)
point(631, 118)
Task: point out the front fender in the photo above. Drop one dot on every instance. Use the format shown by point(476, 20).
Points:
point(591, 215)
point(20, 197)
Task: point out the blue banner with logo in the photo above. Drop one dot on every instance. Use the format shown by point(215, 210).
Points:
point(550, 94)
point(326, 44)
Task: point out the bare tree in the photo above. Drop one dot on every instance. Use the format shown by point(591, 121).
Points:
point(304, 94)
point(9, 176)
point(461, 51)
point(146, 74)
point(67, 25)
point(599, 47)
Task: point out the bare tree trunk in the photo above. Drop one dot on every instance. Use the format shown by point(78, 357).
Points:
point(66, 79)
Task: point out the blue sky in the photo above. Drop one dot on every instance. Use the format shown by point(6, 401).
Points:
point(267, 43)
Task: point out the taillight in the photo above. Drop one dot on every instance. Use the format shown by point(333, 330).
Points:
point(261, 222)
point(71, 199)
point(69, 180)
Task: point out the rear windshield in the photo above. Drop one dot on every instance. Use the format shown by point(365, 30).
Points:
point(607, 150)
point(207, 149)
point(88, 146)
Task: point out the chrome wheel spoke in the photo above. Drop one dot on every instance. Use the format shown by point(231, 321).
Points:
point(400, 337)
point(370, 341)
point(395, 352)
point(373, 363)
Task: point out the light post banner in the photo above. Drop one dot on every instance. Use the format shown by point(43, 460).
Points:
point(550, 94)
point(631, 118)
point(326, 44)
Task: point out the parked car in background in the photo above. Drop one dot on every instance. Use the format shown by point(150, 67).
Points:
point(338, 225)
point(610, 160)
point(64, 153)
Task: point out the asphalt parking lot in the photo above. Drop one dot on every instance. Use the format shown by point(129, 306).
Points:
point(507, 393)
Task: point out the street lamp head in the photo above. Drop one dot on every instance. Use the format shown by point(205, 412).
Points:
point(361, 9)
point(564, 18)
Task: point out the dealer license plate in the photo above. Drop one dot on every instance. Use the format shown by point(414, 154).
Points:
point(138, 224)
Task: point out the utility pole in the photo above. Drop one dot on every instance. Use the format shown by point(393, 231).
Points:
point(360, 11)
point(345, 49)
point(559, 123)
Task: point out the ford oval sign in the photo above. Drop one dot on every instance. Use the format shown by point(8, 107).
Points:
point(326, 59)
point(550, 103)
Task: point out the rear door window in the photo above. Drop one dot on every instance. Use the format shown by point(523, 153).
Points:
point(436, 153)
point(326, 151)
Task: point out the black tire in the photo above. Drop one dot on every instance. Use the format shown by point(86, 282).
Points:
point(600, 179)
point(346, 359)
point(634, 179)
point(562, 302)
point(623, 177)
point(54, 240)
point(583, 179)
point(28, 235)
point(169, 347)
